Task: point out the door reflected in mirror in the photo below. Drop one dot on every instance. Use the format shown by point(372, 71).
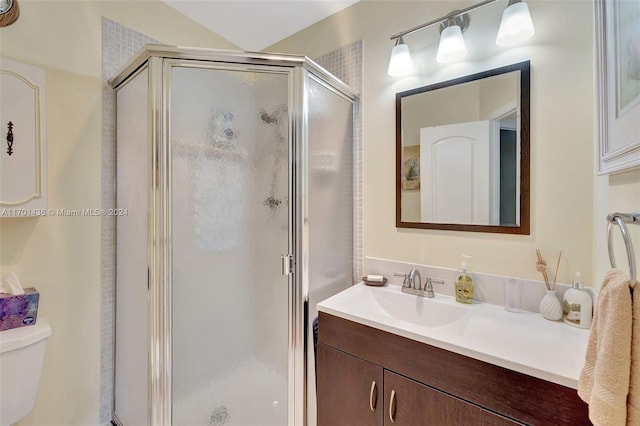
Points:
point(462, 153)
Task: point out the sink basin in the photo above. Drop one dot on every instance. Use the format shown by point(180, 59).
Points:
point(390, 304)
point(426, 312)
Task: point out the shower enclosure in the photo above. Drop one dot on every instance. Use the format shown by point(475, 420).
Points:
point(235, 217)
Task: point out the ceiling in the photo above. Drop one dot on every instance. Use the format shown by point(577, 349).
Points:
point(256, 24)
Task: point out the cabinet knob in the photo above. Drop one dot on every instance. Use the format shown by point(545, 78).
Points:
point(373, 396)
point(392, 407)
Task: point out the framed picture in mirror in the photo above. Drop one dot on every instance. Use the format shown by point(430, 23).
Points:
point(411, 168)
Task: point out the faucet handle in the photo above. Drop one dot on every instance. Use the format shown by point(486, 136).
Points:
point(428, 288)
point(405, 282)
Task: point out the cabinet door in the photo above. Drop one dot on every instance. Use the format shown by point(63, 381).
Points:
point(23, 160)
point(490, 419)
point(410, 403)
point(349, 390)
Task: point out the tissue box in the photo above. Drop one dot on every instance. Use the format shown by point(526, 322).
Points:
point(18, 310)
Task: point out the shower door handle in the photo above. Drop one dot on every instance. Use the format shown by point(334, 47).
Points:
point(287, 264)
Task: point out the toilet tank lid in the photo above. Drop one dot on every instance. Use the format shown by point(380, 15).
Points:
point(23, 336)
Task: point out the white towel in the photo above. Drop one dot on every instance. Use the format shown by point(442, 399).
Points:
point(604, 381)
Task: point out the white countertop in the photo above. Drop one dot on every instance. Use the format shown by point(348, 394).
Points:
point(523, 342)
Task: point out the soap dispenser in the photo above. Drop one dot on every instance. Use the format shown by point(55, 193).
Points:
point(464, 283)
point(577, 305)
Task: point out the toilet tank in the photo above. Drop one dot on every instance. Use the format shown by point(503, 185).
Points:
point(21, 356)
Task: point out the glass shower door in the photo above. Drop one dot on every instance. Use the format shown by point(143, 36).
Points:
point(230, 225)
point(330, 223)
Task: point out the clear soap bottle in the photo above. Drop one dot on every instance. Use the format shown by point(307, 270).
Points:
point(464, 283)
point(577, 305)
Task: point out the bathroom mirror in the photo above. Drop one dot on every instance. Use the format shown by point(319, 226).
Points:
point(462, 153)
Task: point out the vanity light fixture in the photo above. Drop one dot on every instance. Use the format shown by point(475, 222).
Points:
point(451, 47)
point(516, 27)
point(400, 63)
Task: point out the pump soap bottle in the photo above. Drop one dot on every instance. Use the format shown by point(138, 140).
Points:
point(464, 284)
point(577, 305)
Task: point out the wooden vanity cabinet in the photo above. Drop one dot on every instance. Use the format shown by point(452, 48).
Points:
point(349, 389)
point(421, 385)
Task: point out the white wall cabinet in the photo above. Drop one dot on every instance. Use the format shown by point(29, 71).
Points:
point(23, 171)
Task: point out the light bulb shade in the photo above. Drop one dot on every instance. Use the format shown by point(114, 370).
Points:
point(400, 63)
point(451, 47)
point(516, 25)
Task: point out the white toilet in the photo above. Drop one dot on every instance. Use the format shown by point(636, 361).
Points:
point(21, 356)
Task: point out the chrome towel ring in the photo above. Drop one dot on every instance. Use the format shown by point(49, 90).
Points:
point(621, 219)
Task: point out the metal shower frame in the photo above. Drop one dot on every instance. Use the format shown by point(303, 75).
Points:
point(159, 60)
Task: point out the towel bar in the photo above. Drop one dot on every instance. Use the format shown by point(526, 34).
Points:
point(621, 219)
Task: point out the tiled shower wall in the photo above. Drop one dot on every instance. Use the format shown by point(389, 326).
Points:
point(119, 45)
point(346, 64)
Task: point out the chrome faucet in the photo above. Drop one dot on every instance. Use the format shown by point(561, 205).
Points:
point(412, 284)
point(412, 279)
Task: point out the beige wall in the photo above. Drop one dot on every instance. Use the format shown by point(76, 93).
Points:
point(60, 256)
point(497, 92)
point(457, 104)
point(471, 101)
point(562, 133)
